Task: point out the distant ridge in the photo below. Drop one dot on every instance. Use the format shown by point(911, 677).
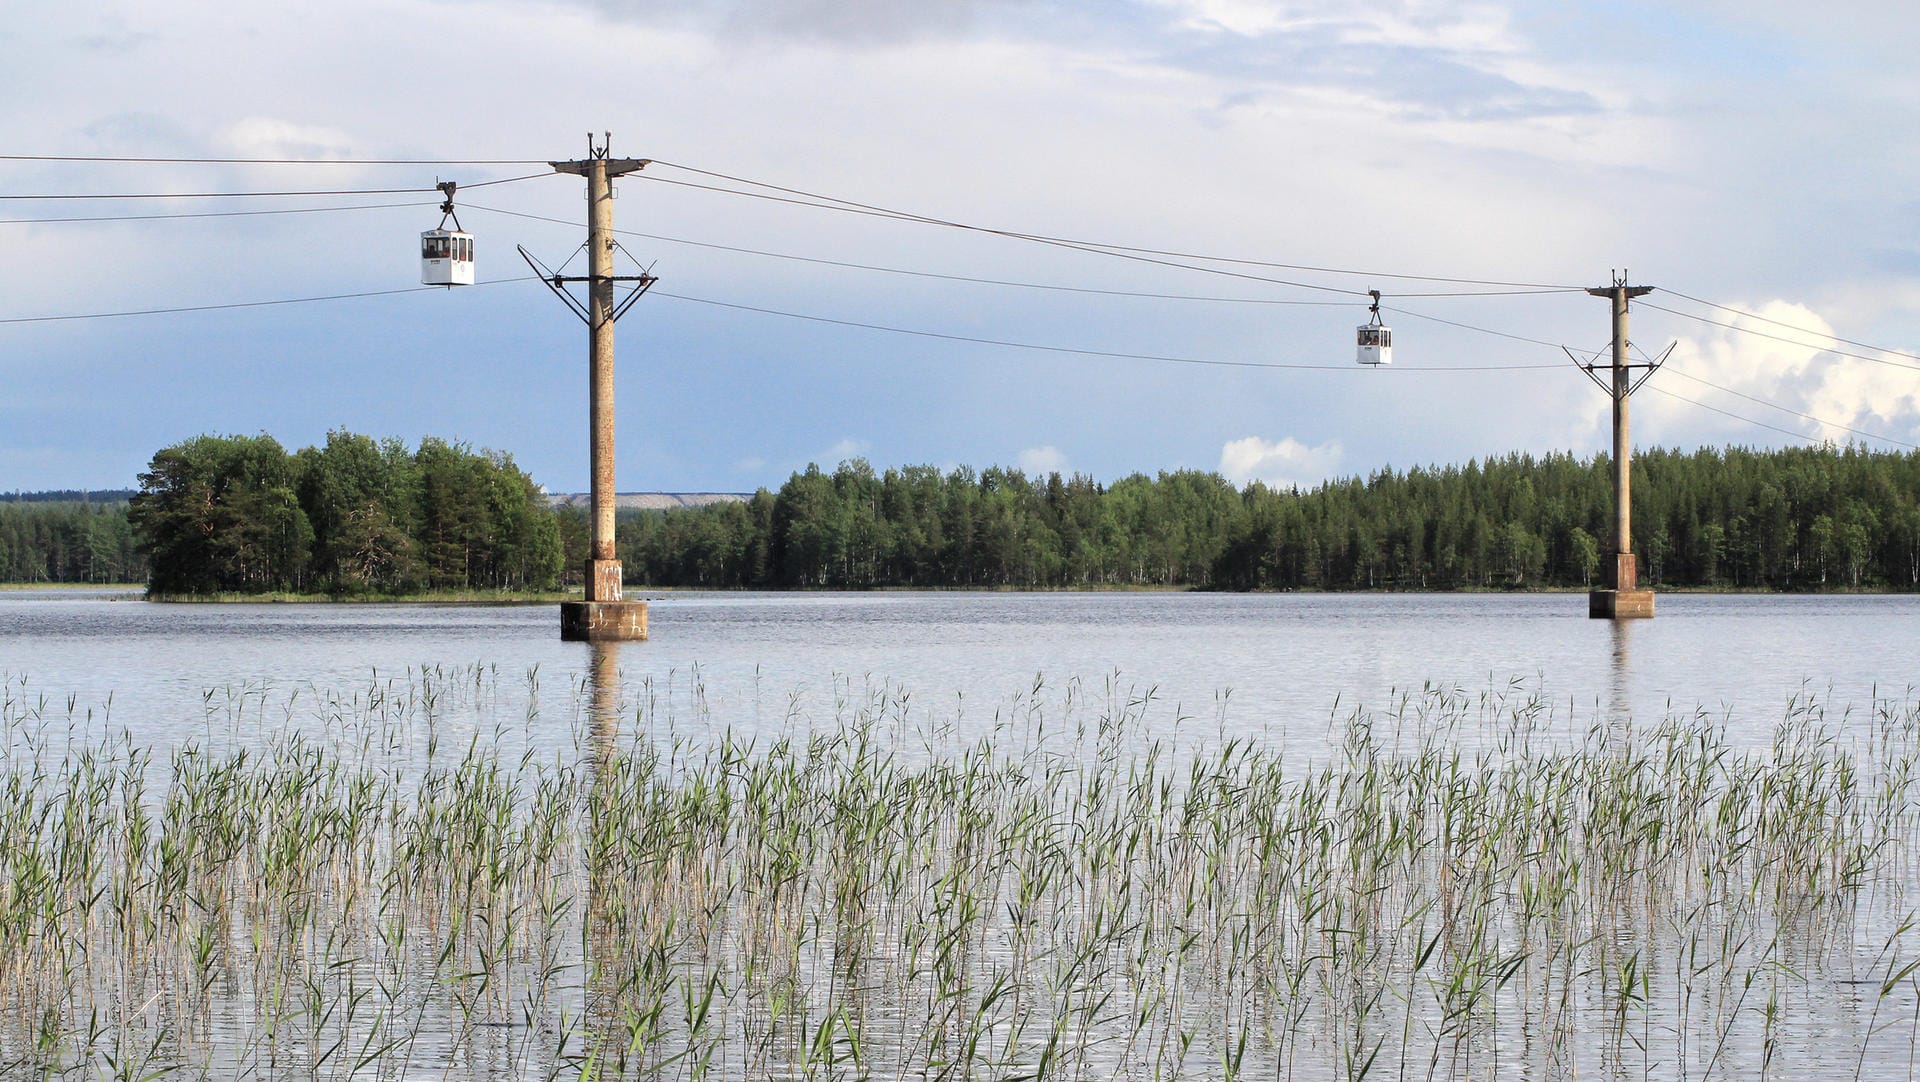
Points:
point(650, 501)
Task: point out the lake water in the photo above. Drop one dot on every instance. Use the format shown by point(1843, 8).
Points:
point(590, 877)
point(1278, 664)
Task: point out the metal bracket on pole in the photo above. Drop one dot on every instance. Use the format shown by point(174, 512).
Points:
point(1588, 367)
point(1651, 366)
point(1593, 364)
point(646, 282)
point(553, 282)
point(558, 284)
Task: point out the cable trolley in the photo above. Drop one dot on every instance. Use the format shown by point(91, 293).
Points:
point(1373, 339)
point(446, 255)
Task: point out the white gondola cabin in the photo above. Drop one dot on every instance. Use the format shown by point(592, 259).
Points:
point(1373, 339)
point(446, 255)
point(446, 258)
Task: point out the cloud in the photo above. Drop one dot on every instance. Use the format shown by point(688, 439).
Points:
point(1416, 61)
point(1521, 142)
point(1455, 27)
point(846, 449)
point(1040, 461)
point(1247, 18)
point(129, 132)
point(117, 40)
point(1779, 363)
point(1283, 464)
point(265, 137)
point(855, 22)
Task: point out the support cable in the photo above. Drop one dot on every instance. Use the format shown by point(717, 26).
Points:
point(1661, 365)
point(1782, 323)
point(1212, 362)
point(1788, 409)
point(817, 261)
point(1794, 342)
point(268, 161)
point(1162, 257)
point(832, 202)
point(1137, 255)
point(244, 304)
point(1738, 417)
point(268, 195)
point(206, 214)
point(1478, 330)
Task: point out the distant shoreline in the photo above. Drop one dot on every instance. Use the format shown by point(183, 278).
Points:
point(649, 501)
point(643, 593)
point(138, 591)
point(8, 587)
point(420, 597)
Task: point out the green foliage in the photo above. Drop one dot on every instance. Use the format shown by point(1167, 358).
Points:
point(1797, 519)
point(366, 516)
point(239, 514)
point(68, 542)
point(221, 513)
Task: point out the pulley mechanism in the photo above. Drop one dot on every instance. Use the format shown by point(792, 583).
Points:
point(446, 211)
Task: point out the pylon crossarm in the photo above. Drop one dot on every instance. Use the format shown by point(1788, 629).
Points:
point(1652, 367)
point(554, 282)
point(646, 281)
point(1588, 368)
point(601, 277)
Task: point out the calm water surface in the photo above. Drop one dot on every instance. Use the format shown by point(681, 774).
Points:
point(1276, 664)
point(1800, 971)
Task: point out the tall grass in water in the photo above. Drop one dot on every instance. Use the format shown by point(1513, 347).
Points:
point(1064, 896)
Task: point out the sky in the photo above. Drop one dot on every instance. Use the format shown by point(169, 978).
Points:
point(1756, 156)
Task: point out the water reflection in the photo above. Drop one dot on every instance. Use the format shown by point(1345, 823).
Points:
point(1289, 659)
point(1620, 684)
point(627, 901)
point(605, 703)
point(604, 708)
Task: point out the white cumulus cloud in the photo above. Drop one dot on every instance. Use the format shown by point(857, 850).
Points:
point(1040, 461)
point(1784, 354)
point(265, 137)
point(845, 450)
point(1281, 464)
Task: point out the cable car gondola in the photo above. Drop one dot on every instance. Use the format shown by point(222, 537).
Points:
point(446, 255)
point(1373, 339)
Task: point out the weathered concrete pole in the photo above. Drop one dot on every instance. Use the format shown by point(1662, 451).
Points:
point(1626, 575)
point(603, 615)
point(1624, 600)
point(603, 562)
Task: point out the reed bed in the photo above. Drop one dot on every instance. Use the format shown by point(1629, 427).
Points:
point(1454, 886)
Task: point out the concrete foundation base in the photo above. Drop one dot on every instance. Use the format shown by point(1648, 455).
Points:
point(603, 621)
point(1620, 604)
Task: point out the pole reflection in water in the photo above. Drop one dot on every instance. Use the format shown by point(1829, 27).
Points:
point(1620, 687)
point(603, 733)
point(604, 701)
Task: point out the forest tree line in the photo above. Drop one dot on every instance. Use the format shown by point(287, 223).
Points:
point(241, 514)
point(68, 541)
point(1795, 519)
point(361, 516)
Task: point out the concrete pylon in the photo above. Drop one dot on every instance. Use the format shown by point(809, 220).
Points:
point(603, 615)
point(1623, 599)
